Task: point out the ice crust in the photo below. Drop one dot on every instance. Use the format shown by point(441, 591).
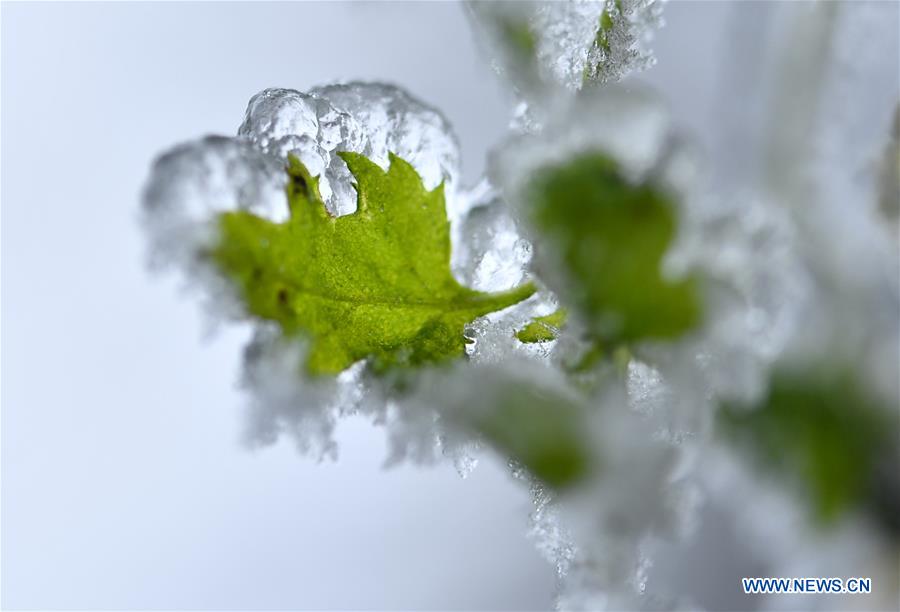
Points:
point(369, 118)
point(195, 180)
point(494, 255)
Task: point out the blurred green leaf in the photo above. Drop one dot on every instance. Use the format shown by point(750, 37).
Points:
point(517, 35)
point(541, 429)
point(611, 235)
point(825, 433)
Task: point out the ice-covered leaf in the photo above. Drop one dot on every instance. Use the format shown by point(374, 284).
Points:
point(620, 45)
point(547, 48)
point(606, 24)
point(375, 284)
point(543, 329)
point(610, 237)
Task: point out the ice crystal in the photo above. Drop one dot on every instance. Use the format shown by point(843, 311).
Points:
point(493, 254)
point(193, 181)
point(373, 119)
point(622, 43)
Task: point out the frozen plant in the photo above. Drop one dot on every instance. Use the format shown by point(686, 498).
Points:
point(645, 337)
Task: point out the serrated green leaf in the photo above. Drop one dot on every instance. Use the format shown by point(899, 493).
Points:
point(375, 284)
point(543, 329)
point(826, 435)
point(610, 236)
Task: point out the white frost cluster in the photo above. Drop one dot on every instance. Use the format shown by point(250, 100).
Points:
point(369, 118)
point(545, 47)
point(629, 37)
point(491, 254)
point(193, 181)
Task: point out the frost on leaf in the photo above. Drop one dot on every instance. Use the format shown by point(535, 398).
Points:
point(610, 237)
point(546, 48)
point(375, 284)
point(620, 46)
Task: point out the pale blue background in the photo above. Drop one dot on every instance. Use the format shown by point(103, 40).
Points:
point(124, 484)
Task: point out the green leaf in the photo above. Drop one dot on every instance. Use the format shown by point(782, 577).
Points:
point(543, 329)
point(375, 284)
point(826, 435)
point(610, 236)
